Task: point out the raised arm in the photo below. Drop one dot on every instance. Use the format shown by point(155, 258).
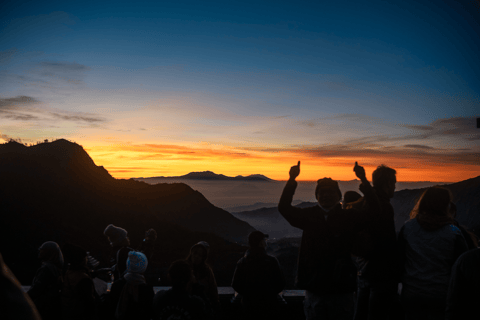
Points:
point(366, 188)
point(295, 216)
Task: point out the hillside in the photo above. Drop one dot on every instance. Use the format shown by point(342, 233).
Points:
point(54, 191)
point(270, 221)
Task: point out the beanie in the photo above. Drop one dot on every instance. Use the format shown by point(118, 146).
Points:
point(137, 262)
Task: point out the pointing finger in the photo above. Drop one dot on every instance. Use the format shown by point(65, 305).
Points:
point(298, 163)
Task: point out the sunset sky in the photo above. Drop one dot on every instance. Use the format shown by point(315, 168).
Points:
point(238, 88)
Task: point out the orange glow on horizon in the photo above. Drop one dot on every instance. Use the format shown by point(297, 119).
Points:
point(150, 160)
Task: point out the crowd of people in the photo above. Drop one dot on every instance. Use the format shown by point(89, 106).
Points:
point(350, 264)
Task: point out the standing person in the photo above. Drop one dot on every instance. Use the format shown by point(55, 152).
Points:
point(45, 289)
point(203, 273)
point(463, 291)
point(429, 244)
point(119, 241)
point(131, 297)
point(325, 267)
point(259, 279)
point(78, 291)
point(177, 302)
point(377, 291)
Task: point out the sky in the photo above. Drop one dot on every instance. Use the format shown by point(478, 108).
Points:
point(238, 88)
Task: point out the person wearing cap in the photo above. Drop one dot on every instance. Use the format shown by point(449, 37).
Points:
point(131, 297)
point(259, 279)
point(325, 268)
point(119, 241)
point(204, 276)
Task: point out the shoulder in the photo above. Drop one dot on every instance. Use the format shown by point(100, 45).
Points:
point(470, 256)
point(454, 229)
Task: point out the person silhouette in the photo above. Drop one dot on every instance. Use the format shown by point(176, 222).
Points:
point(429, 244)
point(325, 268)
point(259, 279)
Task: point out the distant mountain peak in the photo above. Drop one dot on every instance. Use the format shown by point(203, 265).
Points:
point(209, 175)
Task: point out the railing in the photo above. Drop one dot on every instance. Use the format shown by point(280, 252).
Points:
point(222, 291)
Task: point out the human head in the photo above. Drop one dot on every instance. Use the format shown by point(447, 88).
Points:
point(384, 178)
point(199, 253)
point(49, 252)
point(116, 235)
point(151, 235)
point(327, 193)
point(257, 239)
point(75, 256)
point(435, 202)
point(136, 262)
point(349, 197)
point(180, 273)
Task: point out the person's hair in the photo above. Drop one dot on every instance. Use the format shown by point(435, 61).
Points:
point(203, 268)
point(350, 197)
point(180, 272)
point(327, 183)
point(382, 175)
point(434, 202)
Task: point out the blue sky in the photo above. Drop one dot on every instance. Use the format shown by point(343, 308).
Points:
point(289, 75)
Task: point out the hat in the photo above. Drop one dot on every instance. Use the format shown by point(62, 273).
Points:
point(137, 262)
point(115, 234)
point(327, 183)
point(203, 244)
point(256, 237)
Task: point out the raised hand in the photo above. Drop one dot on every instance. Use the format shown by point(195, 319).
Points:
point(359, 172)
point(294, 171)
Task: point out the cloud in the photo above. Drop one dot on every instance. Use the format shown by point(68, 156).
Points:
point(418, 146)
point(64, 66)
point(59, 73)
point(419, 127)
point(17, 102)
point(7, 55)
point(78, 118)
point(26, 108)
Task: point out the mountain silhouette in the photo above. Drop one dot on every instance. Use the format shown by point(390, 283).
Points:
point(209, 175)
point(55, 192)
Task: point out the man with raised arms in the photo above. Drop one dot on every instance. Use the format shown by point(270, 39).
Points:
point(325, 268)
